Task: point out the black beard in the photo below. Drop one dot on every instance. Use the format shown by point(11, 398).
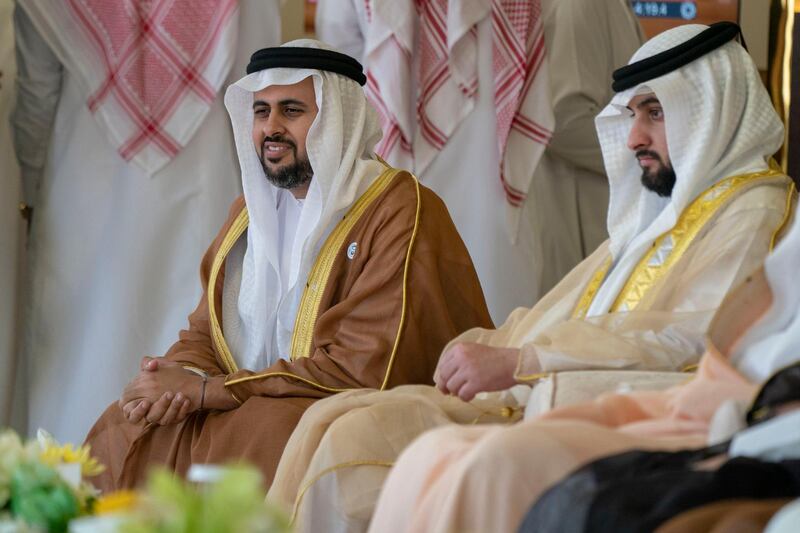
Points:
point(289, 176)
point(662, 181)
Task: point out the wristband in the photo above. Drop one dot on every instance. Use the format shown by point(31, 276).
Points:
point(204, 376)
point(203, 391)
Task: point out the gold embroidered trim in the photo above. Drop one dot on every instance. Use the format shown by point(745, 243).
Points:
point(312, 301)
point(591, 290)
point(405, 287)
point(284, 375)
point(330, 470)
point(307, 312)
point(532, 377)
point(507, 412)
point(689, 224)
point(236, 230)
point(787, 215)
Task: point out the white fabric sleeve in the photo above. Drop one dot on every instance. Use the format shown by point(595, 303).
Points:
point(669, 334)
point(38, 89)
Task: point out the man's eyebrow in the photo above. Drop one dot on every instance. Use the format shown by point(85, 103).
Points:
point(292, 101)
point(647, 101)
point(288, 101)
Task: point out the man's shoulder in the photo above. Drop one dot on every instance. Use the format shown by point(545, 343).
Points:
point(405, 190)
point(237, 206)
point(405, 208)
point(768, 193)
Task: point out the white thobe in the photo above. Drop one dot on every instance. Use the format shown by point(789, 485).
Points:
point(564, 215)
point(114, 253)
point(10, 221)
point(289, 210)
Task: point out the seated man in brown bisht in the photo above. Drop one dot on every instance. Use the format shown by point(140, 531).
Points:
point(334, 272)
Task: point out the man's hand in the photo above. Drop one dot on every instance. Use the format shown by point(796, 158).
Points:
point(151, 363)
point(468, 368)
point(169, 409)
point(152, 385)
point(141, 398)
point(135, 410)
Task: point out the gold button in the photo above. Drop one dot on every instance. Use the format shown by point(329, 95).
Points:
point(506, 412)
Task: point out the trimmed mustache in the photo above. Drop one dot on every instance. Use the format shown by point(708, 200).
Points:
point(277, 139)
point(648, 153)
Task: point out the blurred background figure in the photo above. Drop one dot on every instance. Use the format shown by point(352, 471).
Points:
point(10, 223)
point(530, 205)
point(128, 168)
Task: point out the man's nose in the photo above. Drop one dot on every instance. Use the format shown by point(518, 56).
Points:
point(638, 137)
point(274, 125)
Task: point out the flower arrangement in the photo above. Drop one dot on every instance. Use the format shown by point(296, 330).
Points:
point(235, 502)
point(42, 490)
point(41, 486)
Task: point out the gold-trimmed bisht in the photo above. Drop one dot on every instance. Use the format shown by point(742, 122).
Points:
point(668, 248)
point(308, 309)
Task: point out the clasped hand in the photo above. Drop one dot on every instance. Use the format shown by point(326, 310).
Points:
point(163, 393)
point(468, 368)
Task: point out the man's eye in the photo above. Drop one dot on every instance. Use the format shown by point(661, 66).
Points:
point(293, 111)
point(656, 114)
point(260, 112)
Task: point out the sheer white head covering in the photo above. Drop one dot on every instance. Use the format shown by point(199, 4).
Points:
point(719, 123)
point(339, 144)
point(774, 341)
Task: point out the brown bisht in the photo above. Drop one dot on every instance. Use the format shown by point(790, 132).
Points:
point(379, 318)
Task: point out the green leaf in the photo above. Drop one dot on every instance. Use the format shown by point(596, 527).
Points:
point(41, 498)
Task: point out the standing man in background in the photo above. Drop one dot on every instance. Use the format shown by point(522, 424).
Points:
point(128, 168)
point(10, 224)
point(526, 231)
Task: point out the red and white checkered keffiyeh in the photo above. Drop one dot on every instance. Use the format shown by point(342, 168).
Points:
point(389, 45)
point(448, 74)
point(152, 68)
point(446, 61)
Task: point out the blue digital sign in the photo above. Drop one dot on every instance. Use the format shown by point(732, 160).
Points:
point(666, 10)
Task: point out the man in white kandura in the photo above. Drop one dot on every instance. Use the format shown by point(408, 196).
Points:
point(694, 209)
point(531, 120)
point(10, 222)
point(128, 170)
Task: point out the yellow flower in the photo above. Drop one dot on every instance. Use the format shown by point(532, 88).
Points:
point(52, 454)
point(117, 501)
